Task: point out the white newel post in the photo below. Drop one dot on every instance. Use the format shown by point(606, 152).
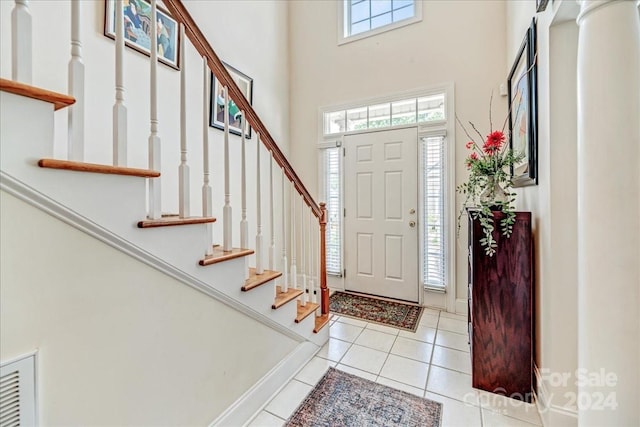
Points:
point(21, 43)
point(244, 225)
point(184, 199)
point(119, 109)
point(226, 211)
point(294, 268)
point(303, 260)
point(75, 141)
point(207, 195)
point(285, 262)
point(609, 211)
point(272, 246)
point(155, 209)
point(259, 248)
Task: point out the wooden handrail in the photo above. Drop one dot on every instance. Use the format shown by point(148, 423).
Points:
point(180, 14)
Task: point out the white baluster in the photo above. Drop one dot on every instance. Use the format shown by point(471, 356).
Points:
point(285, 262)
point(75, 142)
point(259, 248)
point(207, 196)
point(272, 247)
point(294, 268)
point(311, 269)
point(21, 44)
point(184, 196)
point(244, 225)
point(119, 109)
point(303, 259)
point(226, 212)
point(154, 139)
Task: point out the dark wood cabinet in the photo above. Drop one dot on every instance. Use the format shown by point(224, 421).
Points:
point(501, 319)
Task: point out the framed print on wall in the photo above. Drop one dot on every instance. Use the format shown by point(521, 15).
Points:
point(523, 111)
point(541, 5)
point(217, 108)
point(137, 29)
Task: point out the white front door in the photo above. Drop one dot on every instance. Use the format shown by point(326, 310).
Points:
point(381, 213)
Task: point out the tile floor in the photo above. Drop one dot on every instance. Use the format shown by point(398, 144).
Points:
point(432, 362)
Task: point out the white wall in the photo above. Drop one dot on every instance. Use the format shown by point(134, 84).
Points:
point(457, 41)
point(249, 35)
point(119, 343)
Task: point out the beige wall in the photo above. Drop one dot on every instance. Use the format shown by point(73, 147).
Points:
point(118, 342)
point(457, 41)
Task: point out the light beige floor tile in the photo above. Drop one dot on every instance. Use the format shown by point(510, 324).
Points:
point(431, 311)
point(344, 332)
point(510, 407)
point(405, 370)
point(351, 321)
point(334, 349)
point(357, 372)
point(451, 359)
point(400, 386)
point(314, 370)
point(455, 385)
point(265, 419)
point(412, 349)
point(453, 340)
point(456, 413)
point(382, 328)
point(376, 340)
point(453, 325)
point(288, 399)
point(364, 358)
point(429, 320)
point(423, 333)
point(492, 419)
point(462, 317)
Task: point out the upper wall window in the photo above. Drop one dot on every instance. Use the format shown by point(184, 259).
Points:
point(363, 18)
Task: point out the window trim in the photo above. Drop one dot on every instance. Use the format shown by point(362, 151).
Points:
point(342, 23)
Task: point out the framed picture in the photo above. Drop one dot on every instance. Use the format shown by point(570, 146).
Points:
point(541, 5)
point(137, 29)
point(523, 111)
point(218, 109)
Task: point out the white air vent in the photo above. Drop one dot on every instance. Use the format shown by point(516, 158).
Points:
point(17, 393)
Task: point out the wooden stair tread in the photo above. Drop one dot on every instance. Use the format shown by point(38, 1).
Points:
point(321, 322)
point(256, 280)
point(284, 297)
point(58, 100)
point(220, 256)
point(305, 311)
point(169, 220)
point(96, 168)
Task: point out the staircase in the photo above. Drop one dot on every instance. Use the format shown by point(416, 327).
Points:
point(122, 205)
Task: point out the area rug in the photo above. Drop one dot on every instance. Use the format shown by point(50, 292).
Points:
point(342, 399)
point(390, 313)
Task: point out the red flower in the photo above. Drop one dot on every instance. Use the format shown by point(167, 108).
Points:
point(494, 142)
point(473, 156)
point(469, 144)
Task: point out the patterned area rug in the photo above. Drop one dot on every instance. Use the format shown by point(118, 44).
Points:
point(390, 313)
point(342, 399)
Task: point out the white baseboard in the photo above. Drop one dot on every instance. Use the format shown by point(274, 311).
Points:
point(552, 415)
point(256, 398)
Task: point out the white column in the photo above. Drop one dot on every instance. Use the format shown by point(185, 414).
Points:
point(609, 210)
point(207, 195)
point(285, 262)
point(244, 225)
point(21, 43)
point(75, 141)
point(303, 259)
point(119, 109)
point(184, 199)
point(294, 268)
point(155, 208)
point(226, 211)
point(272, 246)
point(259, 246)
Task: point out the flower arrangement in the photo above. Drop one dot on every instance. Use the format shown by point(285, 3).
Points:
point(489, 185)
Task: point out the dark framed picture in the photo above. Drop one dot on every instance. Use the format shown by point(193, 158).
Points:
point(541, 5)
point(137, 29)
point(218, 108)
point(523, 111)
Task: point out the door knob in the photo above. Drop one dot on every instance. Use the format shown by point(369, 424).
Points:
point(412, 224)
point(412, 211)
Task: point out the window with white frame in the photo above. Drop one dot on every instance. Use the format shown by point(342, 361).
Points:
point(427, 111)
point(362, 18)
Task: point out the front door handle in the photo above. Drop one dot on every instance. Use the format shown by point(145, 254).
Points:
point(412, 224)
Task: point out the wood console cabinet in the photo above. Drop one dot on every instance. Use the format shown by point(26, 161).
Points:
point(501, 323)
